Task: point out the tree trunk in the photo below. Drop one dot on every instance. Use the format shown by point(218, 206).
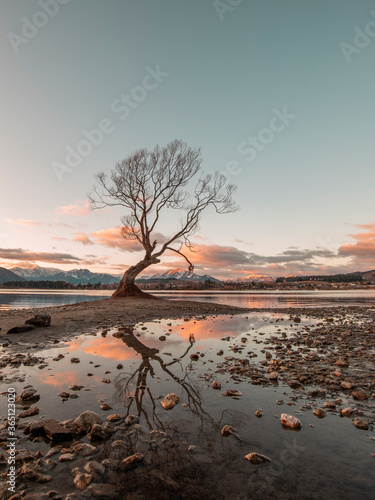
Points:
point(127, 286)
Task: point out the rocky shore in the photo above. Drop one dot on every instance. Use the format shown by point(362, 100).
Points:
point(324, 362)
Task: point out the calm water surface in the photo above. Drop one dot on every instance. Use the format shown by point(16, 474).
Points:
point(15, 299)
point(329, 460)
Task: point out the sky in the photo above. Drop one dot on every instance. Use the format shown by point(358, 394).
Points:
point(278, 94)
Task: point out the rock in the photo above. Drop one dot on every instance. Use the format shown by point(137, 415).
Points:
point(320, 413)
point(120, 366)
point(258, 414)
point(84, 422)
point(20, 329)
point(216, 384)
point(162, 338)
point(98, 431)
point(360, 394)
point(169, 401)
point(34, 473)
point(110, 463)
point(290, 421)
point(34, 410)
point(194, 357)
point(55, 431)
point(64, 395)
point(106, 380)
point(29, 393)
point(297, 320)
point(66, 457)
point(342, 362)
point(115, 417)
point(82, 480)
point(361, 423)
point(104, 491)
point(105, 406)
point(330, 404)
point(191, 448)
point(273, 376)
point(232, 392)
point(131, 419)
point(346, 385)
point(84, 449)
point(39, 320)
point(220, 353)
point(75, 387)
point(130, 461)
point(75, 360)
point(227, 430)
point(95, 469)
point(346, 412)
point(257, 458)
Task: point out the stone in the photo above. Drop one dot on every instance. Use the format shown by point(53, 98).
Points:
point(194, 357)
point(105, 406)
point(273, 376)
point(130, 461)
point(258, 414)
point(169, 401)
point(98, 432)
point(361, 423)
point(227, 430)
point(257, 458)
point(360, 394)
point(56, 431)
point(66, 457)
point(29, 393)
point(34, 473)
point(84, 449)
point(34, 410)
point(75, 360)
point(162, 338)
point(346, 412)
point(346, 385)
point(20, 329)
point(115, 417)
point(82, 480)
point(110, 463)
point(131, 419)
point(319, 412)
point(216, 384)
point(232, 392)
point(290, 421)
point(85, 421)
point(39, 320)
point(95, 469)
point(104, 491)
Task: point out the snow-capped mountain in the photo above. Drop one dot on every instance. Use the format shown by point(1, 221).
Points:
point(75, 276)
point(7, 275)
point(177, 274)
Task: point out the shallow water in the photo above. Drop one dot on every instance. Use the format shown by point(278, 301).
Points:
point(330, 460)
point(16, 299)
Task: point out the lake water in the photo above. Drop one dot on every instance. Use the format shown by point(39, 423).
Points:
point(328, 459)
point(16, 299)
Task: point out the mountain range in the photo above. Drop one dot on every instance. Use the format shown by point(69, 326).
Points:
point(84, 276)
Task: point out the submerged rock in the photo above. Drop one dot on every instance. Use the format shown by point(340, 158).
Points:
point(232, 392)
point(56, 431)
point(257, 458)
point(169, 401)
point(216, 384)
point(84, 449)
point(132, 460)
point(227, 430)
point(104, 491)
point(361, 423)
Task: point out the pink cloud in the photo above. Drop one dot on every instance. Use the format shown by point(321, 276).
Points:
point(82, 238)
point(24, 222)
point(78, 208)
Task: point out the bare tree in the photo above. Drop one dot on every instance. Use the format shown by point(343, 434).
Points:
point(150, 183)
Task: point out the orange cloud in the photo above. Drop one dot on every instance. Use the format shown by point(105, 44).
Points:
point(75, 209)
point(24, 222)
point(108, 347)
point(364, 247)
point(82, 238)
point(113, 238)
point(19, 254)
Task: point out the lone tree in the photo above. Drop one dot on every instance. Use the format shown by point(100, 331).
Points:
point(151, 184)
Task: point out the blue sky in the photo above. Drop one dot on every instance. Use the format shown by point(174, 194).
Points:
point(226, 69)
